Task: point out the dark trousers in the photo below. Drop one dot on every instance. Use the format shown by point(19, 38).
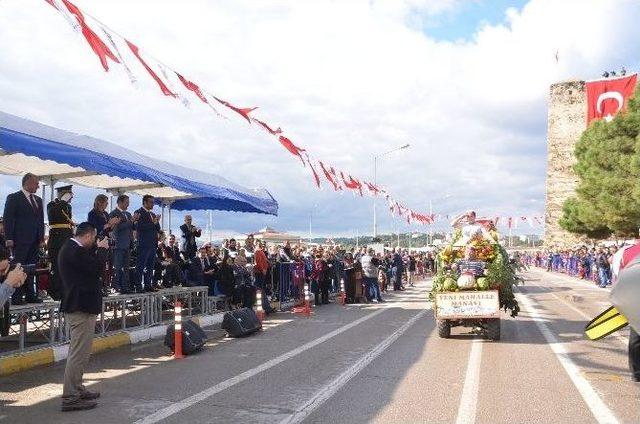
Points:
point(145, 267)
point(322, 294)
point(396, 273)
point(26, 254)
point(55, 285)
point(172, 275)
point(634, 354)
point(121, 262)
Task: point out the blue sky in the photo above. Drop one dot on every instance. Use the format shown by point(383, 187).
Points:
point(464, 82)
point(462, 21)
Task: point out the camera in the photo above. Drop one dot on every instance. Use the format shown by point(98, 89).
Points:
point(29, 269)
point(112, 242)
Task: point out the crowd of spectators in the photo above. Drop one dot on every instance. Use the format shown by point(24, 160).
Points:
point(596, 264)
point(143, 258)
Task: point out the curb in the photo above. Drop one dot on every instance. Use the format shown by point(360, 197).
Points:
point(46, 356)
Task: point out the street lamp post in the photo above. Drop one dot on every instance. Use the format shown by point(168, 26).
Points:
point(375, 182)
point(446, 196)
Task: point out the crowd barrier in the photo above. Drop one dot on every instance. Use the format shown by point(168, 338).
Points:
point(34, 326)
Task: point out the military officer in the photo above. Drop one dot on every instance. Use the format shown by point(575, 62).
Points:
point(60, 230)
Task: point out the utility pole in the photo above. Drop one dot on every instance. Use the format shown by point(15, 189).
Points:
point(375, 182)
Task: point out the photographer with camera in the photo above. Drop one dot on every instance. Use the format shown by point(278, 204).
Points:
point(11, 279)
point(81, 262)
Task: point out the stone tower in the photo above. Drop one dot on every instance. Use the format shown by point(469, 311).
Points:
point(567, 121)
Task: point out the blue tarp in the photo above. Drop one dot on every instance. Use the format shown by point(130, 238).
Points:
point(183, 188)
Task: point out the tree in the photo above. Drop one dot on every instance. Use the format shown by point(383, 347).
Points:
point(607, 200)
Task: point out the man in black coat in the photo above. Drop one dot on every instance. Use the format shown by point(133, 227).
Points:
point(81, 263)
point(189, 234)
point(24, 230)
point(147, 228)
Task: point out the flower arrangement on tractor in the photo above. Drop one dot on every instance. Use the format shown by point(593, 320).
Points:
point(477, 262)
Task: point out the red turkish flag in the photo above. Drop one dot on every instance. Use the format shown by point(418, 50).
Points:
point(267, 127)
point(97, 45)
point(605, 98)
point(292, 148)
point(328, 176)
point(192, 87)
point(163, 87)
point(316, 178)
point(242, 111)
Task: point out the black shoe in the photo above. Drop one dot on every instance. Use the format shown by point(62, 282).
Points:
point(79, 405)
point(89, 395)
point(35, 300)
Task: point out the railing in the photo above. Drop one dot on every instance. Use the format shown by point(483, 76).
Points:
point(37, 325)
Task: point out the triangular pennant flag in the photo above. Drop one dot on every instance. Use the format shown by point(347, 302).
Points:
point(97, 45)
point(316, 178)
point(328, 176)
point(292, 148)
point(242, 111)
point(192, 87)
point(267, 127)
point(165, 90)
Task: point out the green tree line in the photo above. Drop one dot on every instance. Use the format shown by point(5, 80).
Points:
point(607, 200)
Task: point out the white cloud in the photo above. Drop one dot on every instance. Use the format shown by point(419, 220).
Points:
point(344, 79)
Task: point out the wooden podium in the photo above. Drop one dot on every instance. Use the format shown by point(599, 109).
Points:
point(353, 284)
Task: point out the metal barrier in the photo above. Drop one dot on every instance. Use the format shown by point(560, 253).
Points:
point(41, 321)
point(42, 324)
point(284, 284)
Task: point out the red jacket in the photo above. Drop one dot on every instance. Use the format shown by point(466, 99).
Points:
point(262, 263)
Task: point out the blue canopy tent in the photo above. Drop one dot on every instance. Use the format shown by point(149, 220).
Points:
point(57, 155)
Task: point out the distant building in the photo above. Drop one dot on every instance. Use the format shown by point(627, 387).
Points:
point(272, 236)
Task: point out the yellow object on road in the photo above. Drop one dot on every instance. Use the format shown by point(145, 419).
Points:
point(608, 322)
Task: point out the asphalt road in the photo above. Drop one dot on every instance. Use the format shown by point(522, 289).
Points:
point(364, 363)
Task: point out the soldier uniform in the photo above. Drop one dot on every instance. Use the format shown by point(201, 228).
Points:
point(60, 230)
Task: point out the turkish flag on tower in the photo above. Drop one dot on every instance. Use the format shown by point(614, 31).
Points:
point(605, 98)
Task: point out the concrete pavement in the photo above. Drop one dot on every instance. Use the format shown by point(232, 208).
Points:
point(364, 363)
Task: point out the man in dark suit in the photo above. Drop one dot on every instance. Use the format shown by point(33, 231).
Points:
point(24, 228)
point(172, 264)
point(147, 226)
point(209, 269)
point(189, 234)
point(122, 235)
point(81, 263)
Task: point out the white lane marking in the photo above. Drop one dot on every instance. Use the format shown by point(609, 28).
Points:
point(469, 399)
point(579, 284)
point(199, 397)
point(326, 392)
point(598, 408)
point(621, 339)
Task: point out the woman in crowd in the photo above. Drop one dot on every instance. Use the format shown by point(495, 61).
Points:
point(299, 277)
point(240, 270)
point(99, 218)
point(226, 279)
point(318, 277)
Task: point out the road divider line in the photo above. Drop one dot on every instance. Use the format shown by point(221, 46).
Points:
point(469, 399)
point(621, 339)
point(598, 408)
point(174, 408)
point(326, 392)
